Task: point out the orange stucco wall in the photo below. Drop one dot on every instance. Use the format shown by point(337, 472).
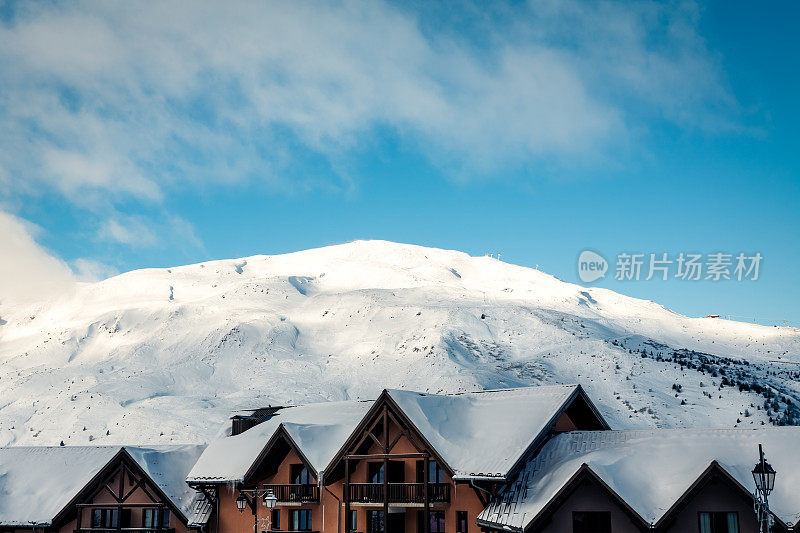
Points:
point(328, 515)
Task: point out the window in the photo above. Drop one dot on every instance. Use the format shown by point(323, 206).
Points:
point(375, 472)
point(591, 522)
point(105, 518)
point(375, 522)
point(461, 522)
point(155, 518)
point(275, 520)
point(353, 520)
point(437, 521)
point(719, 523)
point(435, 472)
point(301, 520)
point(299, 475)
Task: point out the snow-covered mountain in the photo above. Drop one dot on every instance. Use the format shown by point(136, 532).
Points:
point(161, 355)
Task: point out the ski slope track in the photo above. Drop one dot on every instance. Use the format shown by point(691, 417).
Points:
point(164, 355)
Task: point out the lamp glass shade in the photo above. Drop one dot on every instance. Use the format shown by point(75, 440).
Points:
point(764, 476)
point(241, 502)
point(270, 500)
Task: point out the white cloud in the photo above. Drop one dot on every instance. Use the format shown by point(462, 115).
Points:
point(27, 270)
point(119, 105)
point(91, 270)
point(129, 230)
point(129, 98)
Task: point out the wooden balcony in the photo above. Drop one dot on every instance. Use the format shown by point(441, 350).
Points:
point(125, 530)
point(406, 494)
point(295, 493)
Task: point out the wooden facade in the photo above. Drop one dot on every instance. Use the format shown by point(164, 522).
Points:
point(120, 498)
point(386, 478)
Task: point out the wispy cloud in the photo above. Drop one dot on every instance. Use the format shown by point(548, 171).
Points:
point(27, 270)
point(108, 103)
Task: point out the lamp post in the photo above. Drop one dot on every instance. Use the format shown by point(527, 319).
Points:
point(764, 477)
point(243, 501)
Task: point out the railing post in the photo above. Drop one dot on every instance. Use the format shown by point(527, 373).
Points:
point(386, 469)
point(426, 495)
point(78, 520)
point(348, 527)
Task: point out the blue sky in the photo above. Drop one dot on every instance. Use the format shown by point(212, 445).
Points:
point(138, 135)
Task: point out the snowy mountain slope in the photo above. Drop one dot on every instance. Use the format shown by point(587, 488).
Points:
point(163, 355)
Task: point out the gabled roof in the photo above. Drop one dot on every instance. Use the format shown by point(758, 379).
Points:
point(317, 430)
point(485, 434)
point(37, 483)
point(650, 470)
point(478, 434)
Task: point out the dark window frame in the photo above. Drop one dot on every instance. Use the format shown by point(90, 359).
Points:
point(105, 518)
point(299, 474)
point(438, 522)
point(462, 522)
point(159, 518)
point(374, 515)
point(436, 473)
point(375, 472)
point(715, 515)
point(275, 519)
point(590, 522)
point(299, 518)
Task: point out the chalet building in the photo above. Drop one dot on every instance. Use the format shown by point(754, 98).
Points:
point(406, 462)
point(671, 481)
point(527, 460)
point(96, 489)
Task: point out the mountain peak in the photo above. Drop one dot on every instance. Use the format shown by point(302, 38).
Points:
point(163, 355)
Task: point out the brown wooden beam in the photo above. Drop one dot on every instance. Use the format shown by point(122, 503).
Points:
point(368, 433)
point(111, 491)
point(386, 468)
point(106, 505)
point(427, 496)
point(348, 527)
point(396, 440)
point(388, 456)
point(119, 500)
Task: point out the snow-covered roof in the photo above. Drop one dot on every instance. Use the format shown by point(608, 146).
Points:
point(650, 469)
point(37, 482)
point(484, 434)
point(168, 466)
point(317, 429)
point(478, 434)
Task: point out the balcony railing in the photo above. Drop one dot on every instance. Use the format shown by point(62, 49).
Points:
point(295, 493)
point(125, 530)
point(400, 493)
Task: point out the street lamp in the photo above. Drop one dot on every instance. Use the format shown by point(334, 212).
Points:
point(764, 477)
point(270, 499)
point(242, 502)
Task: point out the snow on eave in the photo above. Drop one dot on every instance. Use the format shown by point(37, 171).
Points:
point(624, 462)
point(219, 464)
point(52, 479)
point(457, 456)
